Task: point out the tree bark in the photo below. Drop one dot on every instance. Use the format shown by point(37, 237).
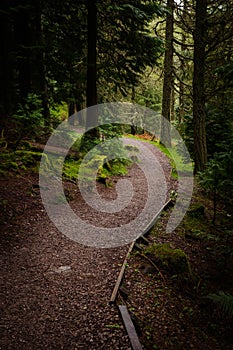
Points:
point(7, 88)
point(167, 80)
point(199, 113)
point(40, 82)
point(91, 97)
point(182, 69)
point(23, 44)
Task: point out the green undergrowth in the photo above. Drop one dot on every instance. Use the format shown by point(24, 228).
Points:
point(70, 170)
point(18, 161)
point(27, 158)
point(97, 168)
point(215, 242)
point(96, 165)
point(195, 264)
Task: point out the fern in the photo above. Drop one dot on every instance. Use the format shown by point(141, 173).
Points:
point(224, 301)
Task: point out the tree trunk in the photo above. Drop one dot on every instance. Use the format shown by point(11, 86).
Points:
point(23, 44)
point(199, 114)
point(7, 88)
point(173, 99)
point(40, 83)
point(182, 69)
point(167, 80)
point(91, 98)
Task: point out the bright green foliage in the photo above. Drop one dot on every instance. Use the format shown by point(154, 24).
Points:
point(58, 113)
point(92, 169)
point(70, 170)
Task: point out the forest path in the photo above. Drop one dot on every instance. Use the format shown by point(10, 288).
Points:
point(56, 292)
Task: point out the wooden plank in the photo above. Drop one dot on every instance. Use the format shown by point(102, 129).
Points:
point(121, 274)
point(133, 337)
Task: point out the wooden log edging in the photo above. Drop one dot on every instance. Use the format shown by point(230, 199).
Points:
point(129, 326)
point(128, 323)
point(147, 229)
point(121, 274)
point(155, 218)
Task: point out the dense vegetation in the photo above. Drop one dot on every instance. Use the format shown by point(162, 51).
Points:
point(174, 57)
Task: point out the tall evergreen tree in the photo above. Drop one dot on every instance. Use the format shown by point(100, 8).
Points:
point(199, 113)
point(168, 76)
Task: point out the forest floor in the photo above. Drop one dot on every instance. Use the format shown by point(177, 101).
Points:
point(55, 292)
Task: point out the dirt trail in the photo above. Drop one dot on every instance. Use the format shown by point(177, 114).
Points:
point(55, 292)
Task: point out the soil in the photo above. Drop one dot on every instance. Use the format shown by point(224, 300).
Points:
point(55, 292)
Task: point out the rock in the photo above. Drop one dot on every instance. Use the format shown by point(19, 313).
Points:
point(175, 260)
point(61, 269)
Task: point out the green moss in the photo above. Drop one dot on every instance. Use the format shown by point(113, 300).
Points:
point(195, 225)
point(19, 160)
point(90, 167)
point(70, 170)
point(175, 260)
point(28, 158)
point(118, 167)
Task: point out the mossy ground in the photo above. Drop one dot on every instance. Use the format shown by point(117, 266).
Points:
point(175, 260)
point(20, 160)
point(190, 263)
point(28, 159)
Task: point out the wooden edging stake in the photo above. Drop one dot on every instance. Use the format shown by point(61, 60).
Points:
point(133, 337)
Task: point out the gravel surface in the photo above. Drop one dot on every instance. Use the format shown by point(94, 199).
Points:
point(55, 292)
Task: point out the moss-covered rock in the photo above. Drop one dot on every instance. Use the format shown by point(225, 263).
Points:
point(92, 169)
point(118, 166)
point(174, 260)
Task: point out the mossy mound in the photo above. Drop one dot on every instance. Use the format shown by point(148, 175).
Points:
point(92, 169)
point(117, 167)
point(174, 260)
point(19, 160)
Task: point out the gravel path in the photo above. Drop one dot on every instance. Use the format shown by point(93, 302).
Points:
point(55, 292)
